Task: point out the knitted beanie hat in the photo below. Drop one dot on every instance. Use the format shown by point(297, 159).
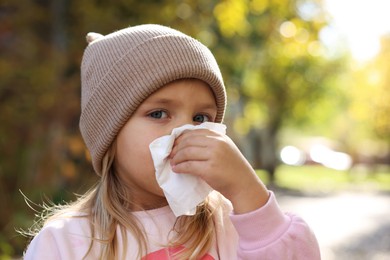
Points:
point(120, 70)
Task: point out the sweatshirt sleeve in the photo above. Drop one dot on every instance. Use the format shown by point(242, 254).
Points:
point(67, 238)
point(268, 233)
point(43, 246)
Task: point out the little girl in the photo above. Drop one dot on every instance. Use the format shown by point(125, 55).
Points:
point(138, 84)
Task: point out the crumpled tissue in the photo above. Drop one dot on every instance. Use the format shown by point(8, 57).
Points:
point(183, 191)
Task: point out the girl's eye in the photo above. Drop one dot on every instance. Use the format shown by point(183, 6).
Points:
point(201, 118)
point(159, 114)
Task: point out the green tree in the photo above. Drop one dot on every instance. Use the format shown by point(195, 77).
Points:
point(381, 106)
point(279, 71)
point(41, 43)
point(368, 130)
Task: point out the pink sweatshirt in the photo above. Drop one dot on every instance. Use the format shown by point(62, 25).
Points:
point(265, 233)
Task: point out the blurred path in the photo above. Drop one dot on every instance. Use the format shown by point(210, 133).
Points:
point(348, 225)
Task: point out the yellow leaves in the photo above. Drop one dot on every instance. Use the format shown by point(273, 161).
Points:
point(258, 6)
point(184, 11)
point(295, 29)
point(297, 42)
point(369, 105)
point(374, 78)
point(233, 95)
point(207, 37)
point(255, 111)
point(302, 35)
point(231, 16)
point(255, 115)
point(288, 29)
point(315, 49)
point(76, 146)
point(76, 149)
point(68, 169)
point(241, 126)
point(87, 155)
point(253, 84)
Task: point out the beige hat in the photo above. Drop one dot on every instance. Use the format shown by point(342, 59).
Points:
point(120, 70)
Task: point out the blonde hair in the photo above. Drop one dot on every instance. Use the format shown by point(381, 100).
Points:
point(107, 207)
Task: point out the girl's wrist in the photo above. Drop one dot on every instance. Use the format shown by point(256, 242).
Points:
point(252, 197)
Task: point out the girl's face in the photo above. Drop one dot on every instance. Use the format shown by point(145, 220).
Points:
point(180, 102)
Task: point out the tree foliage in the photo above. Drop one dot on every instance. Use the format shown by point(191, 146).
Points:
point(369, 108)
point(381, 104)
point(279, 71)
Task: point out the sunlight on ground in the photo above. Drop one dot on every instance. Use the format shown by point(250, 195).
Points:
point(347, 210)
point(342, 220)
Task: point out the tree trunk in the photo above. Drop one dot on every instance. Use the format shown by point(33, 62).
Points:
point(269, 152)
point(264, 151)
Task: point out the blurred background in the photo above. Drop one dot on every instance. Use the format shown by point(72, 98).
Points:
point(308, 104)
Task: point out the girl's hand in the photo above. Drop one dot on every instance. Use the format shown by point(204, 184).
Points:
point(217, 160)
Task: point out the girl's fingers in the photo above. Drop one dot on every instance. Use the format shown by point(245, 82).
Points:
point(190, 153)
point(190, 134)
point(194, 152)
point(196, 168)
point(197, 138)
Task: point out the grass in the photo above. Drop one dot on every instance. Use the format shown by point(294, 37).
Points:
point(315, 178)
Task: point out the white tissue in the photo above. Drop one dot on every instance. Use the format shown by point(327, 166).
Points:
point(183, 191)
